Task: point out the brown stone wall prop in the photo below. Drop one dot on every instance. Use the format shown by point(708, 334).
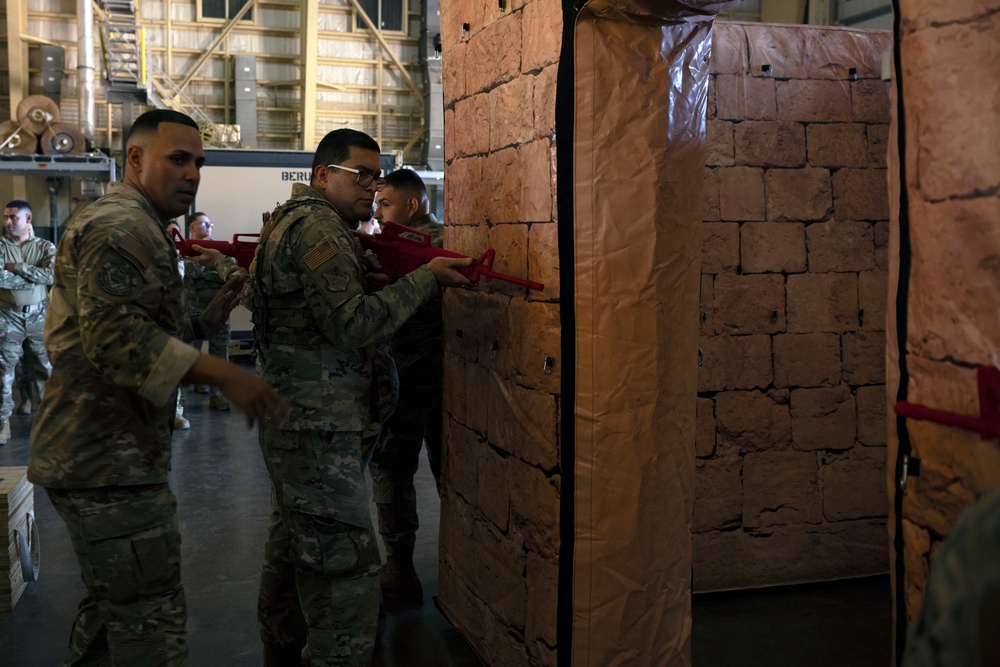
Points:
point(944, 170)
point(791, 412)
point(500, 493)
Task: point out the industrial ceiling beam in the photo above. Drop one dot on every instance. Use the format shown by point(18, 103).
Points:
point(309, 25)
point(17, 71)
point(385, 45)
point(214, 45)
point(17, 52)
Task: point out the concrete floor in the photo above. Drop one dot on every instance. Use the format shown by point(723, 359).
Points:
point(222, 491)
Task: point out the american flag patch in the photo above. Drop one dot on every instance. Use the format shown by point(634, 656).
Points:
point(320, 254)
point(135, 250)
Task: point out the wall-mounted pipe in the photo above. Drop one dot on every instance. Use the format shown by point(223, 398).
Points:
point(85, 68)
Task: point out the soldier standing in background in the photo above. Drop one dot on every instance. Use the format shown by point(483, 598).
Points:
point(316, 325)
point(418, 349)
point(100, 445)
point(24, 284)
point(201, 284)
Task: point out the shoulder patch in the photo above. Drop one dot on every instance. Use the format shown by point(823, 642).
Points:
point(118, 278)
point(320, 254)
point(336, 281)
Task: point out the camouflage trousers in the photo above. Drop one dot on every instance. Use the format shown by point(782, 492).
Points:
point(319, 586)
point(28, 388)
point(128, 543)
point(21, 335)
point(417, 419)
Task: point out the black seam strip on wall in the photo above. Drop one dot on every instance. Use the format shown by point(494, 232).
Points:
point(902, 294)
point(565, 108)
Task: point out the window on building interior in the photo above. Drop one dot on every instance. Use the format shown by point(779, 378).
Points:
point(224, 9)
point(388, 15)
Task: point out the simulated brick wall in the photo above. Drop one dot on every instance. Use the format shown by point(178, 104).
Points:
point(790, 479)
point(500, 498)
point(950, 59)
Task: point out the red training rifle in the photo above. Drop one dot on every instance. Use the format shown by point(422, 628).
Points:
point(240, 250)
point(400, 253)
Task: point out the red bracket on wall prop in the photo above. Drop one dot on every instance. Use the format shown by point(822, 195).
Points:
point(987, 424)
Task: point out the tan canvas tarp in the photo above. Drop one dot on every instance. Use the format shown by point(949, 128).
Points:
point(641, 76)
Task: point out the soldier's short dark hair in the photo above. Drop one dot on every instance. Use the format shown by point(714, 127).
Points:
point(150, 121)
point(194, 216)
point(336, 146)
point(20, 205)
point(407, 182)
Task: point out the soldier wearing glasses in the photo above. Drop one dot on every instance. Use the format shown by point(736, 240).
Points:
point(201, 284)
point(317, 324)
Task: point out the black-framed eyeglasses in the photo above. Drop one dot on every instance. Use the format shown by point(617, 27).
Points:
point(365, 177)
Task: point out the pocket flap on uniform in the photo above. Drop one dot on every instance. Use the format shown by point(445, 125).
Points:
point(123, 518)
point(308, 500)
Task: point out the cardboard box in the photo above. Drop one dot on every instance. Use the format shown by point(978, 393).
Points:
point(17, 509)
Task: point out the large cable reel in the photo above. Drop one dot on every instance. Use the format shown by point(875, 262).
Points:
point(36, 112)
point(15, 139)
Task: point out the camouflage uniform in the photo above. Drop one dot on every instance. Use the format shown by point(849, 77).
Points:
point(418, 349)
point(28, 388)
point(100, 444)
point(201, 284)
point(958, 624)
point(23, 301)
point(316, 331)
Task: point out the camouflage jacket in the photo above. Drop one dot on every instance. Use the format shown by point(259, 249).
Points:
point(957, 626)
point(29, 282)
point(315, 324)
point(113, 336)
point(201, 284)
point(418, 346)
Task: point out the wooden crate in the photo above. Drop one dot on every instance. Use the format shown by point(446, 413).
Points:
point(17, 500)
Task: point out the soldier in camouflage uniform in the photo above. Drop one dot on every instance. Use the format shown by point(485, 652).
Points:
point(957, 626)
point(100, 445)
point(200, 285)
point(418, 349)
point(24, 285)
point(316, 326)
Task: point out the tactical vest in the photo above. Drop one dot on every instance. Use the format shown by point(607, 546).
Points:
point(292, 311)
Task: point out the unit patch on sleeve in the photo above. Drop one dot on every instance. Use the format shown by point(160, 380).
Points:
point(118, 278)
point(336, 281)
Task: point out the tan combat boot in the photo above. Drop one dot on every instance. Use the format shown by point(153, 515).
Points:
point(400, 582)
point(218, 402)
point(4, 431)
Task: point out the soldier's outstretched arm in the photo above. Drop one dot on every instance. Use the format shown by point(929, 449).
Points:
point(255, 397)
point(227, 268)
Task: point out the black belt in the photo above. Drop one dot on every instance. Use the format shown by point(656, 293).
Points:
point(25, 309)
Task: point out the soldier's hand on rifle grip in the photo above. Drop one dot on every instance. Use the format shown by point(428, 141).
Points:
point(374, 278)
point(445, 270)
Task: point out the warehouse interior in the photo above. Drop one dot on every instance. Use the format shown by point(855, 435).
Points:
point(737, 502)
